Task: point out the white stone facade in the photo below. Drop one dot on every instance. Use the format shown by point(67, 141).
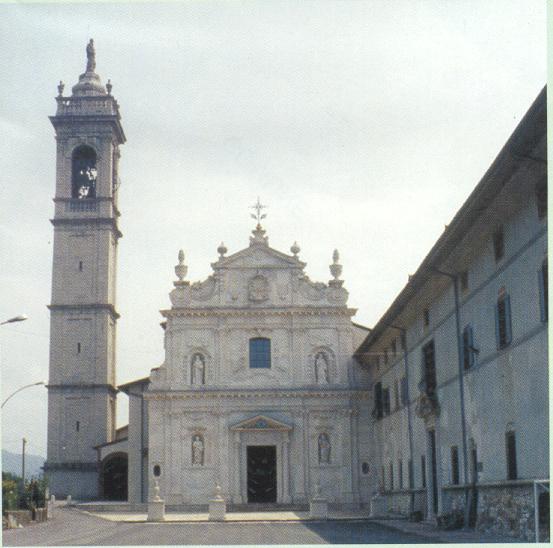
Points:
point(207, 406)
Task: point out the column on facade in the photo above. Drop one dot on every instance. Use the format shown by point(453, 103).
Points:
point(285, 469)
point(299, 449)
point(354, 421)
point(347, 480)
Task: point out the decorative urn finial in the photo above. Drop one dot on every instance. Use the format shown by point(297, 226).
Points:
point(109, 87)
point(336, 269)
point(156, 490)
point(295, 249)
point(222, 249)
point(61, 85)
point(181, 269)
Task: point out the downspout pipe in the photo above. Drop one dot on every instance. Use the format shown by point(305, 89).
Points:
point(455, 279)
point(411, 463)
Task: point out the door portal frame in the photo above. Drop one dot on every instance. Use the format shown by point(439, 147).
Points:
point(260, 430)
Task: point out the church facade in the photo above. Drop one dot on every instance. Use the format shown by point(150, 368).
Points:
point(259, 392)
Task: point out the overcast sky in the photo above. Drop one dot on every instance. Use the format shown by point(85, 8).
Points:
point(362, 125)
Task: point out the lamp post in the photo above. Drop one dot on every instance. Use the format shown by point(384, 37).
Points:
point(20, 318)
point(39, 383)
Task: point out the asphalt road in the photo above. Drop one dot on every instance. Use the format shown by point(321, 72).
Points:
point(70, 527)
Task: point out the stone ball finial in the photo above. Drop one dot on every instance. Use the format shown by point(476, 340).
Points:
point(181, 269)
point(222, 249)
point(295, 249)
point(109, 87)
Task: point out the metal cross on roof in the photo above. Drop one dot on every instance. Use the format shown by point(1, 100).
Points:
point(258, 207)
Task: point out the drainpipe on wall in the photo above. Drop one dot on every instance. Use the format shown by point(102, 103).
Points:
point(455, 279)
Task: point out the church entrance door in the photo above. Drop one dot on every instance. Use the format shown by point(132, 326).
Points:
point(262, 475)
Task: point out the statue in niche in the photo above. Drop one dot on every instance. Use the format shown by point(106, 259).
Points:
point(198, 369)
point(197, 450)
point(324, 449)
point(321, 368)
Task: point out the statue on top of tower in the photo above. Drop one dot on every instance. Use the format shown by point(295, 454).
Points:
point(90, 56)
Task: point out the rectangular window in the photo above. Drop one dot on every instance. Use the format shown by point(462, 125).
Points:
point(78, 348)
point(410, 473)
point(378, 410)
point(404, 391)
point(468, 348)
point(260, 353)
point(544, 292)
point(80, 266)
point(383, 479)
point(541, 199)
point(400, 473)
point(429, 369)
point(503, 321)
point(77, 426)
point(423, 471)
point(386, 400)
point(391, 476)
point(498, 244)
point(426, 317)
point(396, 394)
point(510, 446)
point(464, 278)
point(455, 465)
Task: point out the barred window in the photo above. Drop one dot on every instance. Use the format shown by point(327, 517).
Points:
point(498, 244)
point(468, 347)
point(503, 321)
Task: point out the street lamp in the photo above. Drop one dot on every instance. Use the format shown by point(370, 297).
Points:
point(39, 383)
point(19, 318)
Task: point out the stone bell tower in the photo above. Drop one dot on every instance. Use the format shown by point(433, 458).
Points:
point(82, 385)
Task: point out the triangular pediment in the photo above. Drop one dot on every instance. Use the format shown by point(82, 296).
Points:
point(260, 422)
point(259, 256)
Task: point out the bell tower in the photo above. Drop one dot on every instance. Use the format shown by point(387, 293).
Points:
point(82, 386)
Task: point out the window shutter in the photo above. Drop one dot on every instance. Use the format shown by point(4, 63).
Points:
point(542, 295)
point(497, 326)
point(508, 330)
point(470, 345)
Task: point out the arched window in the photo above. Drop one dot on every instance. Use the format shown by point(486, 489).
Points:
point(84, 173)
point(260, 353)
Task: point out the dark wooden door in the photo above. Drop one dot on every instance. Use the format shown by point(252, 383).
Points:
point(262, 476)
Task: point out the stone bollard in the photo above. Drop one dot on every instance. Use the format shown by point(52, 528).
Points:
point(378, 506)
point(156, 506)
point(217, 506)
point(318, 505)
point(68, 501)
point(51, 504)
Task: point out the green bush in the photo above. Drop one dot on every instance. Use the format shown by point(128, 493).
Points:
point(33, 496)
point(9, 491)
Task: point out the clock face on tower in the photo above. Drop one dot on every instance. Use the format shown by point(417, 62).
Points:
point(84, 173)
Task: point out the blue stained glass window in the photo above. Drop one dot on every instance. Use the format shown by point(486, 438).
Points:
point(260, 353)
